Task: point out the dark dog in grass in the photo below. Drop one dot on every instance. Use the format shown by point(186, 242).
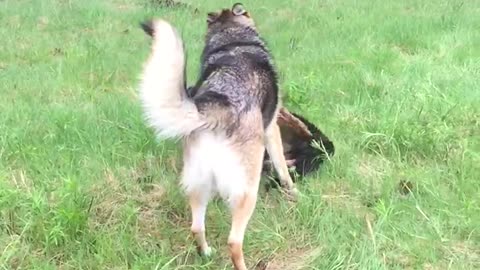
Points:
point(305, 147)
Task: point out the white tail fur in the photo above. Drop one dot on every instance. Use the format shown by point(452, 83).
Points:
point(162, 93)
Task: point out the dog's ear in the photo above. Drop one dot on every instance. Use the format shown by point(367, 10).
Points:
point(239, 10)
point(212, 17)
point(288, 120)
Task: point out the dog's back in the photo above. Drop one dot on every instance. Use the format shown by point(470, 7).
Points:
point(236, 71)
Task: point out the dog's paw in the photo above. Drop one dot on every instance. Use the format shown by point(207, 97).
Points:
point(292, 194)
point(208, 252)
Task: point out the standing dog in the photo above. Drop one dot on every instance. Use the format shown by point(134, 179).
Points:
point(226, 122)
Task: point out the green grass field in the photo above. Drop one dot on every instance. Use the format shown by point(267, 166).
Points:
point(395, 84)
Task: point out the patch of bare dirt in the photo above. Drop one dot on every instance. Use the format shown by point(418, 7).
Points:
point(292, 259)
point(373, 168)
point(111, 195)
point(340, 195)
point(171, 4)
point(464, 251)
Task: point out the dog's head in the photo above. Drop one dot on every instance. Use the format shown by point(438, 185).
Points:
point(237, 16)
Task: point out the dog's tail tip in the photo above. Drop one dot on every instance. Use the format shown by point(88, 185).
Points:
point(147, 27)
point(154, 26)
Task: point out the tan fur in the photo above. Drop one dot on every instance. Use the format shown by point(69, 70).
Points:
point(198, 233)
point(242, 210)
point(285, 118)
point(274, 146)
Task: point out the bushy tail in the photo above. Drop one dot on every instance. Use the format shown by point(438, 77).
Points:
point(162, 91)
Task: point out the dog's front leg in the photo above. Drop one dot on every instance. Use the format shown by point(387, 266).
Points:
point(273, 143)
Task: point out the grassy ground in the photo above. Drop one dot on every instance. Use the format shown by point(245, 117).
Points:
point(395, 84)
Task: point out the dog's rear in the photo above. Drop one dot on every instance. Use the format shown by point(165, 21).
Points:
point(227, 122)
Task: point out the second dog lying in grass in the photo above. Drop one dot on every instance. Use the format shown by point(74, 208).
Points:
point(305, 147)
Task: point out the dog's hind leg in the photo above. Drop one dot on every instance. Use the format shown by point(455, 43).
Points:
point(273, 143)
point(238, 180)
point(198, 205)
point(242, 210)
point(198, 186)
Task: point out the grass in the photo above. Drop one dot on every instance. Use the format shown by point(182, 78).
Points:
point(395, 84)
